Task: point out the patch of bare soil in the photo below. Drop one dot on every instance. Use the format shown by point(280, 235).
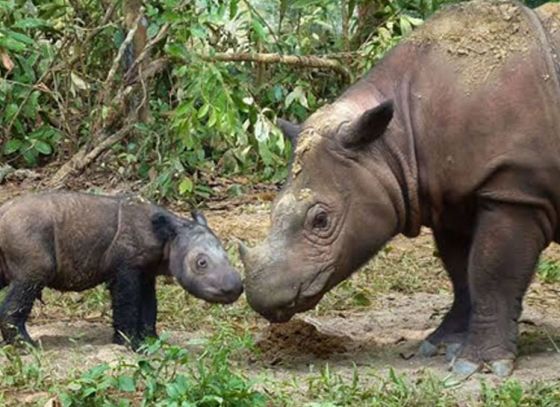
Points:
point(389, 336)
point(249, 223)
point(69, 346)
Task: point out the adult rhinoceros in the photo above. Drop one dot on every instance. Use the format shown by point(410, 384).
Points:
point(456, 129)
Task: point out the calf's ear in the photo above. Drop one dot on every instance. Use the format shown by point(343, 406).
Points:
point(290, 130)
point(369, 126)
point(199, 218)
point(164, 227)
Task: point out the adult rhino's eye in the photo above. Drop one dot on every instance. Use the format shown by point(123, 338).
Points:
point(320, 220)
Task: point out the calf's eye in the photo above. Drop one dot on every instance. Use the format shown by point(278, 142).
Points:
point(201, 262)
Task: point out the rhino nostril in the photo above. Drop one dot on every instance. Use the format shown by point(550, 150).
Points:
point(233, 289)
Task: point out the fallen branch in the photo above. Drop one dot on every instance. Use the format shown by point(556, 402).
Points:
point(302, 61)
point(83, 158)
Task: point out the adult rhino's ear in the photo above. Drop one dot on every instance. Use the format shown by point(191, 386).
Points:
point(199, 218)
point(289, 129)
point(369, 126)
point(164, 227)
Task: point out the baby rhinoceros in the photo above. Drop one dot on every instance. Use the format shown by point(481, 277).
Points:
point(75, 241)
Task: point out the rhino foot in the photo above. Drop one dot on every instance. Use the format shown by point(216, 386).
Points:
point(452, 350)
point(502, 368)
point(428, 349)
point(453, 344)
point(464, 368)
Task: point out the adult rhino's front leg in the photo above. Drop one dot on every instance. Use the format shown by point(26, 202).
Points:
point(507, 243)
point(454, 252)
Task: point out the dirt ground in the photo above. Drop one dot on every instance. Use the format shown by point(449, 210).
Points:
point(383, 335)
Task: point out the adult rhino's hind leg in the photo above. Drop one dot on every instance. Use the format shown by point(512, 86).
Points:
point(16, 308)
point(454, 252)
point(507, 243)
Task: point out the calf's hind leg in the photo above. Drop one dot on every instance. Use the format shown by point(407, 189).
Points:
point(16, 308)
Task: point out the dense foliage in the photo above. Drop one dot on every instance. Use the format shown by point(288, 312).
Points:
point(207, 117)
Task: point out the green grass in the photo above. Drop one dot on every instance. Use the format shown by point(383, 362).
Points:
point(216, 375)
point(548, 271)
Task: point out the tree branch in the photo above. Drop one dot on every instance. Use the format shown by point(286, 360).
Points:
point(108, 84)
point(131, 71)
point(301, 61)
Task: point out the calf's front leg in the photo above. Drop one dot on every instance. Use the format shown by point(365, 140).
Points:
point(148, 307)
point(507, 243)
point(126, 291)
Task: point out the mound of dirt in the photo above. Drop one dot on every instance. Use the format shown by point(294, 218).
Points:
point(299, 340)
point(478, 37)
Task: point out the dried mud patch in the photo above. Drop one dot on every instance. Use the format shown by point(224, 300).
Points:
point(478, 50)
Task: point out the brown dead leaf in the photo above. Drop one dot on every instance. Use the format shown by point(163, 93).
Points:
point(53, 402)
point(6, 61)
point(42, 87)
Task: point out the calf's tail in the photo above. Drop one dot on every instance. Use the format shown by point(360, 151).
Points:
point(3, 279)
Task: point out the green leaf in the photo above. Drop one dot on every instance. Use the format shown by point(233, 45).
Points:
point(153, 29)
point(27, 23)
point(176, 51)
point(126, 383)
point(186, 186)
point(258, 29)
point(203, 110)
point(405, 25)
point(74, 386)
point(12, 146)
point(42, 147)
point(20, 37)
point(10, 112)
point(11, 44)
point(198, 32)
point(233, 7)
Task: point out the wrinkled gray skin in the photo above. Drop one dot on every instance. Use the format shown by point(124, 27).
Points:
point(73, 241)
point(456, 129)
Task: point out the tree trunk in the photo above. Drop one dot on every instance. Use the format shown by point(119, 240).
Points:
point(367, 20)
point(131, 10)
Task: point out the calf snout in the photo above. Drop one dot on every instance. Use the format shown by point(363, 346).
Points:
point(232, 287)
point(226, 289)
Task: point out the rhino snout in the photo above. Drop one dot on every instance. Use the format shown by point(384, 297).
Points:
point(224, 291)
